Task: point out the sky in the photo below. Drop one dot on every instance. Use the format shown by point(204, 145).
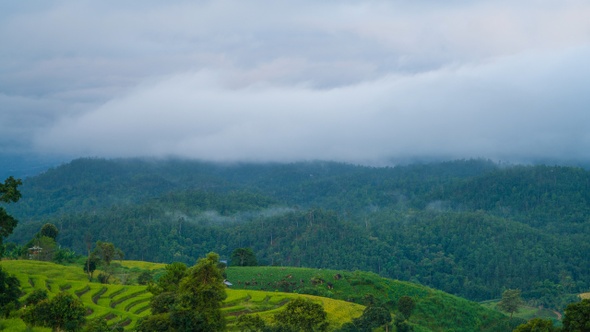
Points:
point(367, 82)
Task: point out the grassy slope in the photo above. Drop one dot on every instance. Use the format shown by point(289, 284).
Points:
point(128, 303)
point(435, 310)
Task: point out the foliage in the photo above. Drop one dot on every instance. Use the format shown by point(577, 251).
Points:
point(145, 278)
point(163, 302)
point(405, 305)
point(35, 297)
point(106, 252)
point(373, 317)
point(577, 317)
point(155, 323)
point(302, 315)
point(511, 301)
point(9, 293)
point(170, 281)
point(90, 266)
point(62, 312)
point(49, 230)
point(8, 193)
point(203, 291)
point(537, 325)
point(100, 325)
point(243, 257)
point(402, 325)
point(250, 323)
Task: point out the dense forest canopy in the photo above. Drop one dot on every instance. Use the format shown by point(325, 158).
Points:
point(469, 227)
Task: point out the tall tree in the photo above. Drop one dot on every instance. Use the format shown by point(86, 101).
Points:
point(8, 194)
point(202, 292)
point(511, 301)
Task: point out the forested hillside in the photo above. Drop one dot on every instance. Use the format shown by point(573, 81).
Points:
point(469, 227)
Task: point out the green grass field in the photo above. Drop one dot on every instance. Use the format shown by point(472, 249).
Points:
point(125, 304)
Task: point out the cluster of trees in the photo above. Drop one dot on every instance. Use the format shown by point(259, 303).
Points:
point(188, 299)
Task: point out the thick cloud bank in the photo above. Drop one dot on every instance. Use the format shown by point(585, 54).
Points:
point(358, 81)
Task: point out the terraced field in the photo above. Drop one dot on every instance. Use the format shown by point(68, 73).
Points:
point(119, 304)
point(125, 304)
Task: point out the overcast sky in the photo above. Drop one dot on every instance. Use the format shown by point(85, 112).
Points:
point(355, 81)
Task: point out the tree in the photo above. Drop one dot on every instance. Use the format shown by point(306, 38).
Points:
point(8, 193)
point(90, 266)
point(106, 252)
point(145, 277)
point(537, 325)
point(9, 293)
point(302, 315)
point(63, 312)
point(511, 300)
point(100, 325)
point(250, 323)
point(405, 305)
point(243, 257)
point(154, 323)
point(402, 325)
point(49, 230)
point(577, 317)
point(36, 296)
point(373, 317)
point(170, 281)
point(202, 292)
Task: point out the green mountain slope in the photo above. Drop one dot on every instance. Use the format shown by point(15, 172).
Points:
point(470, 227)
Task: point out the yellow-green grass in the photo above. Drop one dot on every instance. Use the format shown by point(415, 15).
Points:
point(585, 296)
